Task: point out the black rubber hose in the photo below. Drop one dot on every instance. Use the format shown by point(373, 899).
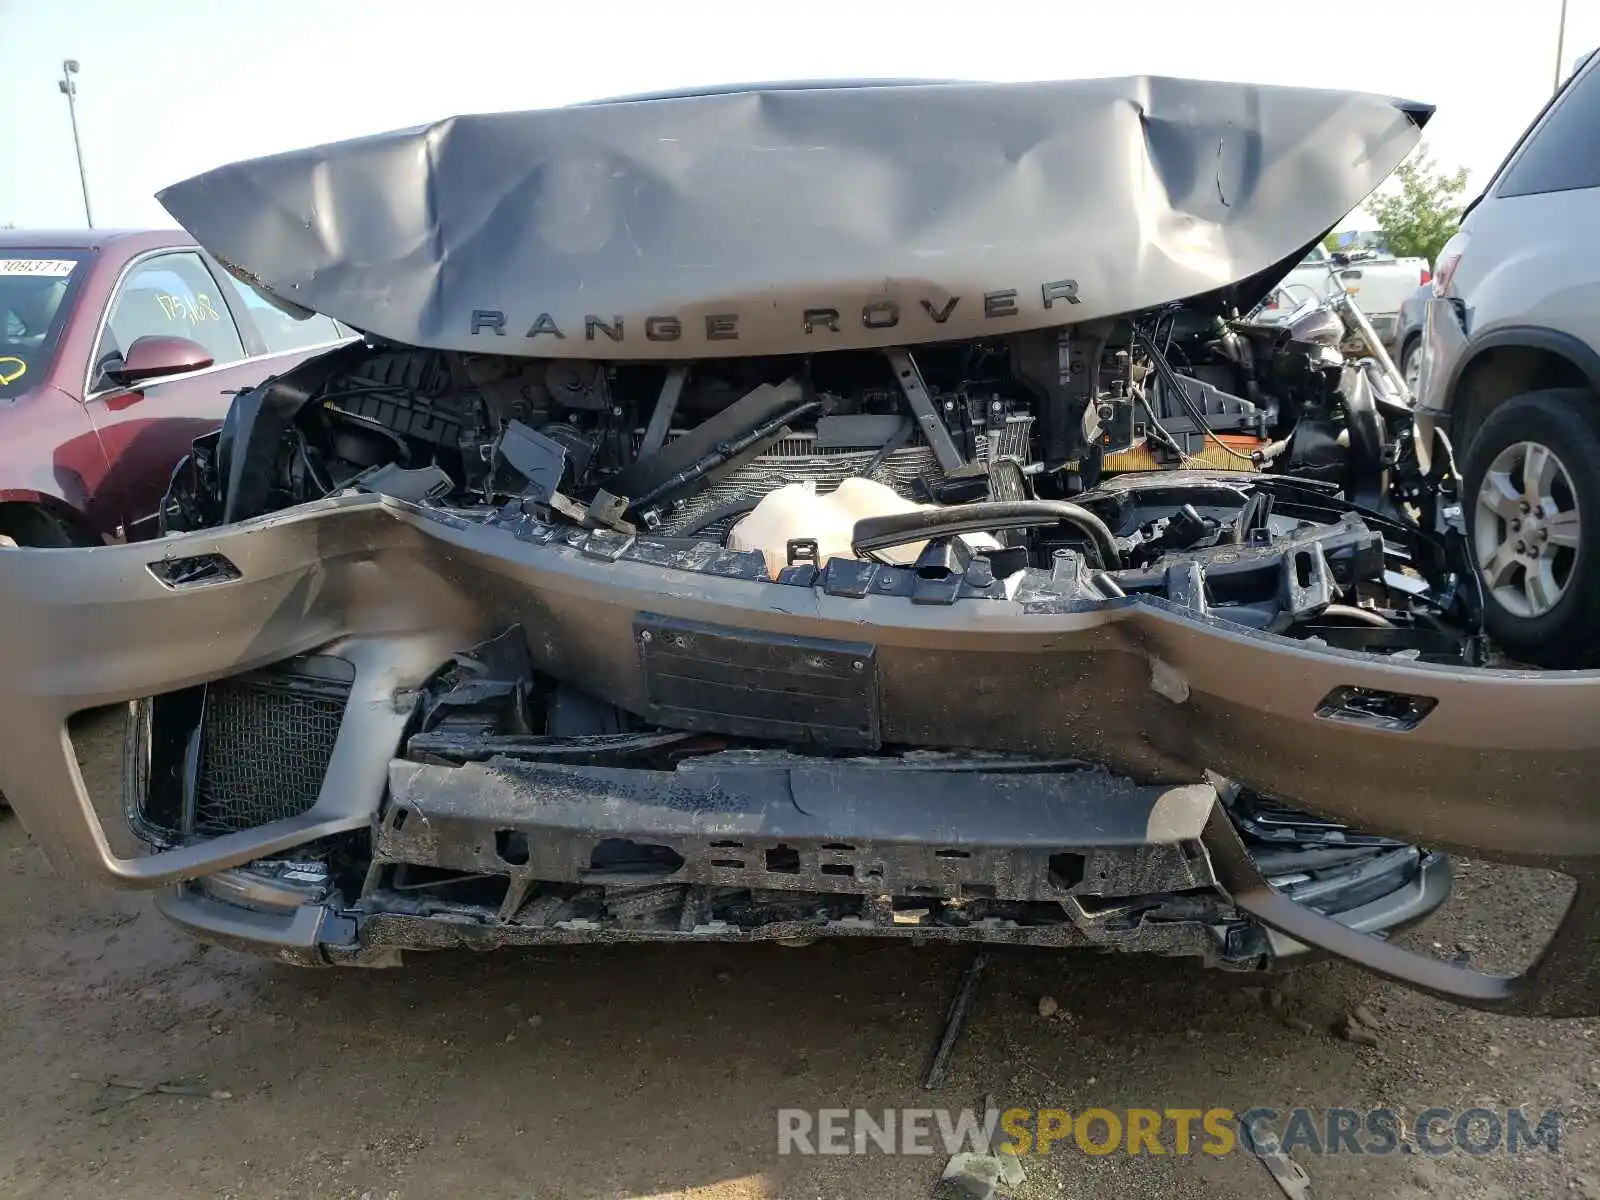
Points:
point(898, 438)
point(883, 533)
point(1181, 393)
point(734, 508)
point(726, 454)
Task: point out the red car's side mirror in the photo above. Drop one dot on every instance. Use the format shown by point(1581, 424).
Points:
point(156, 356)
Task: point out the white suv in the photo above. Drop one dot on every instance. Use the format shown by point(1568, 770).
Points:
point(1511, 371)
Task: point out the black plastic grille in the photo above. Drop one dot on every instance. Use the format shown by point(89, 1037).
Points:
point(265, 748)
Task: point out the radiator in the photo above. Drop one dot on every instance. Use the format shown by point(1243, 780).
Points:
point(794, 459)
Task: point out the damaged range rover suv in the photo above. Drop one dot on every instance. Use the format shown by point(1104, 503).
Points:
point(807, 510)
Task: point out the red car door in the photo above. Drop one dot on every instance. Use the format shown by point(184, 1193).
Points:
point(146, 428)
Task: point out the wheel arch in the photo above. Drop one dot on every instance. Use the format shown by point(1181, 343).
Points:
point(1511, 361)
point(36, 519)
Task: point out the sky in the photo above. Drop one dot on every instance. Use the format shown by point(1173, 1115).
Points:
point(171, 88)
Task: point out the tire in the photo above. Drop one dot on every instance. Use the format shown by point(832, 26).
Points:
point(1536, 537)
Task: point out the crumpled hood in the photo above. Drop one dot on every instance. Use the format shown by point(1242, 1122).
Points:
point(778, 220)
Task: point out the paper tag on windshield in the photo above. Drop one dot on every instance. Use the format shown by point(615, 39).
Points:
point(53, 268)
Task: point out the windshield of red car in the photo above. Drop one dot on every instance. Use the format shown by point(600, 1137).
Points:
point(34, 286)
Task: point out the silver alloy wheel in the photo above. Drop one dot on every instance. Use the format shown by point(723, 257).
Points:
point(1526, 529)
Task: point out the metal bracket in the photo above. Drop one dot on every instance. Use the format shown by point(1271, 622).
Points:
point(655, 434)
point(921, 403)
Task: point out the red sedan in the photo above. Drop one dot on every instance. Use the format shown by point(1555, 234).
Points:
point(117, 350)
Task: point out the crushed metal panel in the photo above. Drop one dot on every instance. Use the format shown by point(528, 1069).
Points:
point(767, 220)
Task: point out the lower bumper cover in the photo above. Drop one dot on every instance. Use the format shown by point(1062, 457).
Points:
point(1494, 763)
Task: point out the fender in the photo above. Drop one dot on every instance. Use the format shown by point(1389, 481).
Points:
point(51, 457)
point(1529, 337)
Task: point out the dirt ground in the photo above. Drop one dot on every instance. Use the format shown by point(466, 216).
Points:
point(607, 1072)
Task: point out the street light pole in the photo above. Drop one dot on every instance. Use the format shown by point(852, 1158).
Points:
point(1561, 41)
point(69, 89)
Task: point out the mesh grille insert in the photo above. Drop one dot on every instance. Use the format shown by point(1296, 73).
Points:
point(266, 745)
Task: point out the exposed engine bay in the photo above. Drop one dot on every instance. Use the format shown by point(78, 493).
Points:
point(1258, 473)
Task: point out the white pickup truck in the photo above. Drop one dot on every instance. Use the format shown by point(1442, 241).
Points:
point(1379, 284)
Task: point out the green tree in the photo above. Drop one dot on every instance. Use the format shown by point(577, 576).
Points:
point(1419, 216)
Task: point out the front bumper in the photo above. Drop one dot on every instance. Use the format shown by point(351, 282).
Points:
point(1494, 763)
